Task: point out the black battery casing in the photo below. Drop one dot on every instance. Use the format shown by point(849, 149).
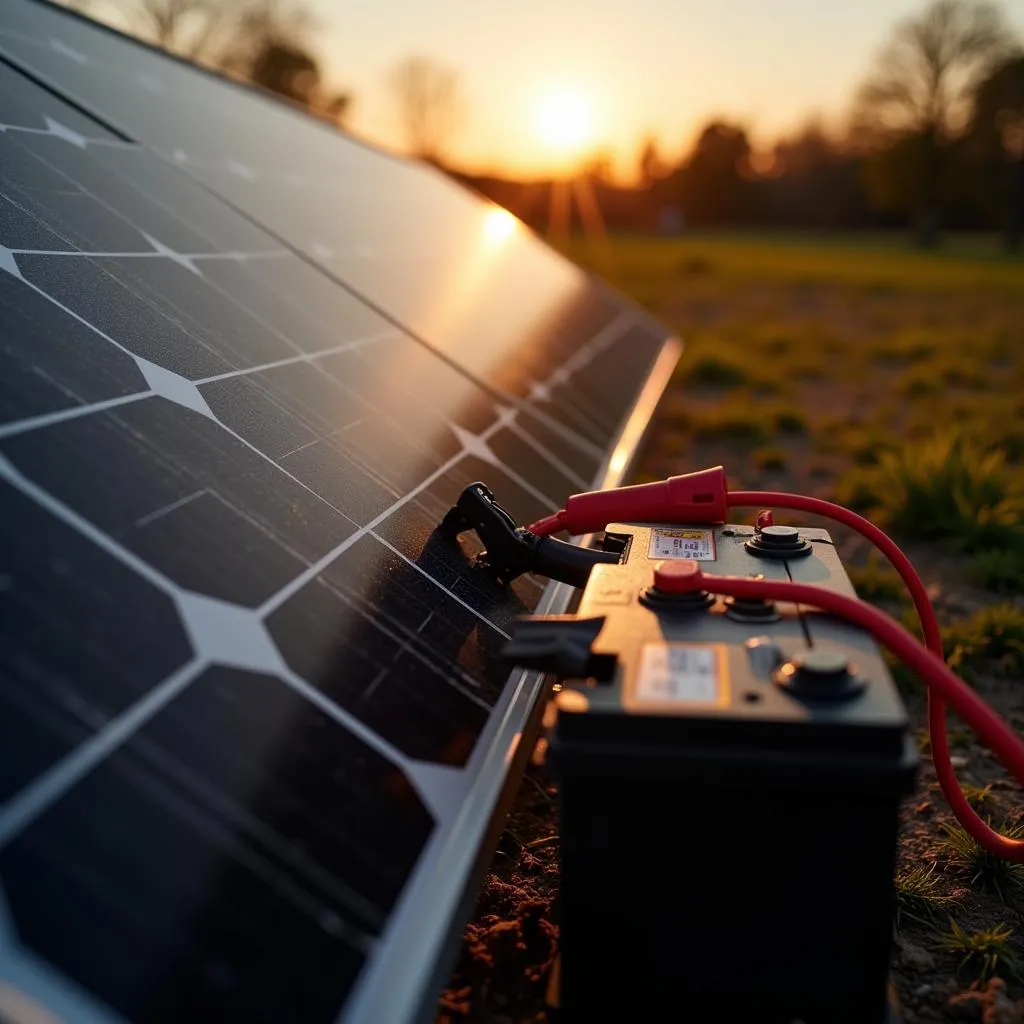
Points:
point(730, 862)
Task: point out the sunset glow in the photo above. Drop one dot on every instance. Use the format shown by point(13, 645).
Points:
point(541, 86)
point(564, 121)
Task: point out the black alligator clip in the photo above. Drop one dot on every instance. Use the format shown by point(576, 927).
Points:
point(510, 550)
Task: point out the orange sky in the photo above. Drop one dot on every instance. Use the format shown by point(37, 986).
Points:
point(637, 66)
point(662, 66)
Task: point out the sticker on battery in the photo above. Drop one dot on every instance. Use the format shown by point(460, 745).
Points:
point(696, 544)
point(683, 673)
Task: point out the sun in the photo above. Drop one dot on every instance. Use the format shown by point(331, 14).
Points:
point(564, 121)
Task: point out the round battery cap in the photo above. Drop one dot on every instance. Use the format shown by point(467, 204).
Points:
point(778, 542)
point(818, 673)
point(822, 662)
point(676, 576)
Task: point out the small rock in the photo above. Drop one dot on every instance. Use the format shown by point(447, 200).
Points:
point(959, 761)
point(914, 956)
point(922, 990)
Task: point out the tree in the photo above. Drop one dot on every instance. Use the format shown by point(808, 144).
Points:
point(713, 184)
point(292, 72)
point(813, 180)
point(996, 144)
point(262, 41)
point(429, 105)
point(599, 166)
point(914, 102)
point(650, 165)
point(224, 34)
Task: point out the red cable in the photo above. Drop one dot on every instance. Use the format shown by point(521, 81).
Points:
point(881, 540)
point(989, 727)
point(973, 823)
point(548, 525)
point(700, 497)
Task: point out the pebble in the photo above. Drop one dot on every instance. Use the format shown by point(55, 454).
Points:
point(959, 761)
point(917, 958)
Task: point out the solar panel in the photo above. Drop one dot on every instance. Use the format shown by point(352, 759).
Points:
point(254, 723)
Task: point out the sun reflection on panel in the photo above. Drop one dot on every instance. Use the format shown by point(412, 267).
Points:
point(499, 225)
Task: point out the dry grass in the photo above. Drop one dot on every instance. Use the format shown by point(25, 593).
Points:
point(982, 953)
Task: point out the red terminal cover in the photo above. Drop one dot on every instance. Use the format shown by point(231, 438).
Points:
point(699, 497)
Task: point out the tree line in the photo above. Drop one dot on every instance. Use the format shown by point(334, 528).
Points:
point(265, 42)
point(935, 138)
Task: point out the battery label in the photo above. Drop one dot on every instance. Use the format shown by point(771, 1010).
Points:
point(696, 544)
point(683, 673)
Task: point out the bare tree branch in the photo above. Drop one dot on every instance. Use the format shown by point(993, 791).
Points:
point(225, 34)
point(429, 105)
point(924, 76)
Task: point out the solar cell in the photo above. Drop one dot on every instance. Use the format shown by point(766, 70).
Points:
point(507, 310)
point(253, 718)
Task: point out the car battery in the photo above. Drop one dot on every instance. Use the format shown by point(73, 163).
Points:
point(730, 778)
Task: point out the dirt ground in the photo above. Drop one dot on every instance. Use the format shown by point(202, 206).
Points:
point(856, 359)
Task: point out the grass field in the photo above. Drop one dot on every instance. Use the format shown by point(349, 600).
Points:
point(893, 381)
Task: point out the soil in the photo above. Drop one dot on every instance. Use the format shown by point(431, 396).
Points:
point(509, 947)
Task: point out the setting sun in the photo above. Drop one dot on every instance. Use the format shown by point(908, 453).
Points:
point(564, 120)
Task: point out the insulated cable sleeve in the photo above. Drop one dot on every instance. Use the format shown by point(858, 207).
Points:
point(931, 668)
point(701, 497)
point(973, 823)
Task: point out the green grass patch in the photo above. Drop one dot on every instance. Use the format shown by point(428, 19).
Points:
point(963, 375)
point(863, 443)
point(917, 896)
point(777, 343)
point(983, 869)
point(982, 953)
point(877, 581)
point(936, 377)
point(979, 797)
point(879, 264)
point(992, 639)
point(920, 383)
point(948, 489)
point(715, 370)
point(905, 347)
point(770, 459)
point(745, 427)
point(790, 421)
point(741, 419)
point(907, 682)
point(1002, 572)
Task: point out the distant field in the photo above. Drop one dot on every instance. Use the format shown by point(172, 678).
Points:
point(891, 380)
point(873, 260)
point(837, 348)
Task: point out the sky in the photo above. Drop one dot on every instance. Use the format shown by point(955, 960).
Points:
point(640, 66)
point(635, 68)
